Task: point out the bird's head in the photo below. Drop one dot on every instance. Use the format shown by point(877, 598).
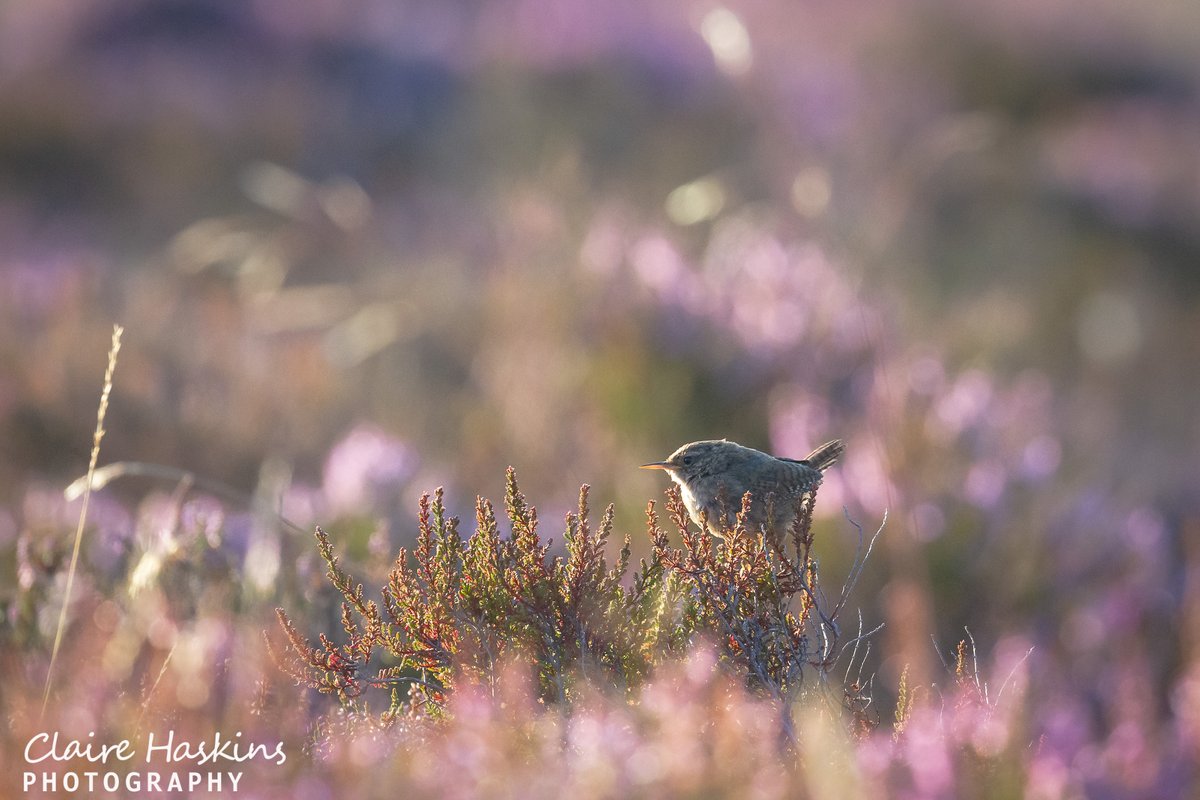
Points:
point(698, 459)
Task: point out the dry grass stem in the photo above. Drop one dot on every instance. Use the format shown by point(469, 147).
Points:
point(101, 412)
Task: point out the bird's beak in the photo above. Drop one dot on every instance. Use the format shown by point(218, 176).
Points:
point(658, 465)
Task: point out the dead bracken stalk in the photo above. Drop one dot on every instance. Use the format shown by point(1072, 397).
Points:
point(97, 436)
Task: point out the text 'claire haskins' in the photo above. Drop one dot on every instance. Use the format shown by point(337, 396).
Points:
point(49, 748)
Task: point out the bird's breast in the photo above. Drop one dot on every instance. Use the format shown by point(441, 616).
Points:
point(689, 500)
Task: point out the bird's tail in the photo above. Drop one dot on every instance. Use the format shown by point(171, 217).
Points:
point(826, 455)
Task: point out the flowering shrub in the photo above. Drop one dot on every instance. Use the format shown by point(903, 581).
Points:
point(460, 608)
point(466, 604)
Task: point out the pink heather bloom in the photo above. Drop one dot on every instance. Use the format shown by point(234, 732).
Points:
point(363, 465)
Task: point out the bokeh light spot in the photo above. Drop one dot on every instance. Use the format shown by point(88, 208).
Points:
point(728, 39)
point(274, 187)
point(695, 202)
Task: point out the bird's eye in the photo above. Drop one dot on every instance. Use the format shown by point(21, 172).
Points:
point(687, 460)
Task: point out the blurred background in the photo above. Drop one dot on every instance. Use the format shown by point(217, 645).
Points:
point(364, 249)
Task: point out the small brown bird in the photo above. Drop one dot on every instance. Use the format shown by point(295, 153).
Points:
point(713, 475)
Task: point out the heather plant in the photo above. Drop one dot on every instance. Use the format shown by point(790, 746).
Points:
point(759, 594)
point(459, 608)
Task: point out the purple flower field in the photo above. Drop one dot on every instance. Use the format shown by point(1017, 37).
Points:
point(362, 251)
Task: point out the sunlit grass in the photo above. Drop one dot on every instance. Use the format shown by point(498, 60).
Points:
point(101, 412)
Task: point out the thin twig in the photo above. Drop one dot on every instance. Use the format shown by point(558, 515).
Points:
point(854, 653)
point(150, 694)
point(860, 558)
point(855, 641)
point(975, 665)
point(937, 648)
point(1013, 672)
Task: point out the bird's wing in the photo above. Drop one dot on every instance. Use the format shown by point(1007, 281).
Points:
point(786, 477)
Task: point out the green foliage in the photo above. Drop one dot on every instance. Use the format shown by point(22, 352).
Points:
point(456, 609)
